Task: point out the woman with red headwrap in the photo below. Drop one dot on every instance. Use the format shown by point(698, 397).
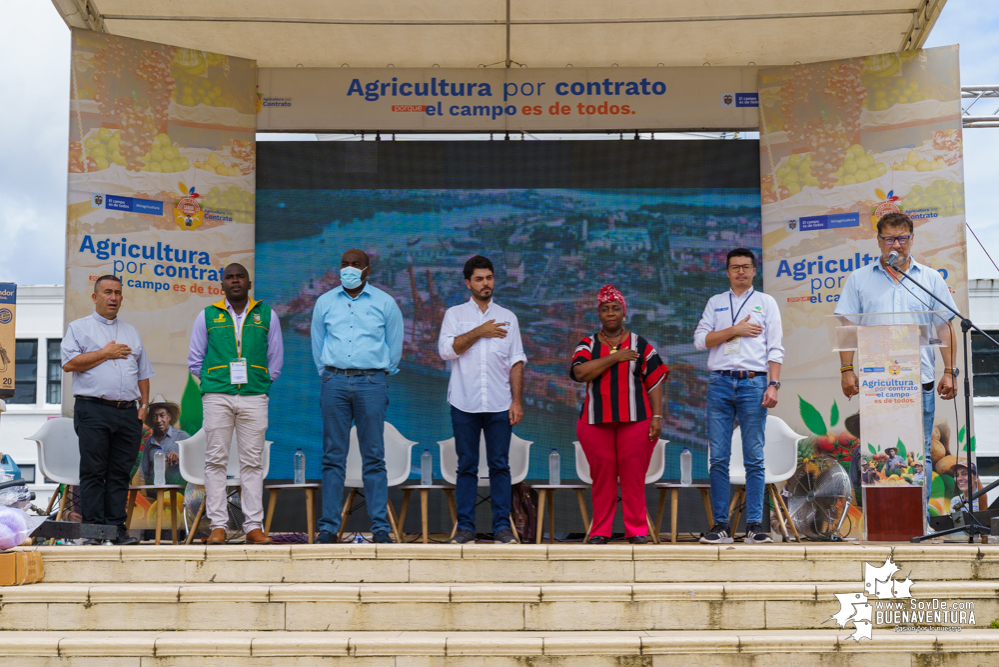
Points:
point(621, 419)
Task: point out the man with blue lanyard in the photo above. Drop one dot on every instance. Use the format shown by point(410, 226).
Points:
point(742, 352)
point(356, 344)
point(877, 288)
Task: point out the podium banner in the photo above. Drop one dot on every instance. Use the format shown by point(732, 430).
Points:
point(891, 407)
point(841, 144)
point(162, 179)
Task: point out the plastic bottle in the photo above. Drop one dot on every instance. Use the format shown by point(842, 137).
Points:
point(426, 468)
point(159, 467)
point(299, 466)
point(685, 467)
point(554, 468)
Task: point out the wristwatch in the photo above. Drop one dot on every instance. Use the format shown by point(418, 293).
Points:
point(774, 384)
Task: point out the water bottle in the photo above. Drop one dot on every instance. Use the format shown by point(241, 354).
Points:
point(426, 468)
point(685, 466)
point(299, 467)
point(554, 468)
point(159, 467)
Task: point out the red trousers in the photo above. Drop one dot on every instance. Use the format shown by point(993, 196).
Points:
point(617, 452)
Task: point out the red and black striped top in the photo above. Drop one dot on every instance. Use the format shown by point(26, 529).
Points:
point(621, 393)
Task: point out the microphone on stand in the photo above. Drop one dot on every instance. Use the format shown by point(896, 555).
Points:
point(892, 258)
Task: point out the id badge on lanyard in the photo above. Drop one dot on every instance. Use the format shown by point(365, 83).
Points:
point(734, 344)
point(238, 371)
point(238, 368)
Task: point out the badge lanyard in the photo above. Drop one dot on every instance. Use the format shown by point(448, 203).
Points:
point(238, 371)
point(731, 307)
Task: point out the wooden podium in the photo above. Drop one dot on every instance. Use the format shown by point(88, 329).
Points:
point(888, 368)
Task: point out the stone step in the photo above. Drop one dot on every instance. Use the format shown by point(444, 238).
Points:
point(456, 607)
point(479, 563)
point(502, 649)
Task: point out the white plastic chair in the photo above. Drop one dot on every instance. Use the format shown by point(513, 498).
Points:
point(398, 463)
point(58, 457)
point(657, 466)
point(780, 459)
point(191, 464)
point(519, 460)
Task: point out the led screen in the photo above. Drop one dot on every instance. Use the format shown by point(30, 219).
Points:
point(557, 219)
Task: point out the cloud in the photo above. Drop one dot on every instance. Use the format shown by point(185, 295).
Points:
point(35, 118)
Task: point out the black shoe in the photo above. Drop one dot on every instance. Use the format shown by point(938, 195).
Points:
point(124, 539)
point(756, 535)
point(719, 534)
point(597, 539)
point(505, 536)
point(462, 536)
point(325, 537)
point(638, 539)
point(382, 537)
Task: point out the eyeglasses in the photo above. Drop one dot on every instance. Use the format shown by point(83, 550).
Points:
point(890, 240)
point(740, 268)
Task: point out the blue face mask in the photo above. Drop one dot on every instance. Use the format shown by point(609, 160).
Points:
point(350, 277)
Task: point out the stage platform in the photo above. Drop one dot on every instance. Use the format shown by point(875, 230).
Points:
point(493, 605)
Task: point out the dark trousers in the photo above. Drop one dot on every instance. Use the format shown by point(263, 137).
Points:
point(109, 444)
point(468, 428)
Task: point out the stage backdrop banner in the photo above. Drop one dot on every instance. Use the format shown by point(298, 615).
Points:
point(501, 99)
point(162, 178)
point(841, 144)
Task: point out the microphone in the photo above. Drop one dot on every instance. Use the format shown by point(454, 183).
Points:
point(892, 258)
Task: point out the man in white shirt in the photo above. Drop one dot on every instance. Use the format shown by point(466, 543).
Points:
point(743, 351)
point(111, 374)
point(482, 342)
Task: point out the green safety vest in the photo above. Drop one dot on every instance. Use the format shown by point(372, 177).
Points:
point(223, 348)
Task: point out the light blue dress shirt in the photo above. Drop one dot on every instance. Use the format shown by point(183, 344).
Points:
point(364, 332)
point(871, 290)
point(113, 379)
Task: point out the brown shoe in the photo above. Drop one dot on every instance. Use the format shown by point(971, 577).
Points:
point(257, 536)
point(217, 536)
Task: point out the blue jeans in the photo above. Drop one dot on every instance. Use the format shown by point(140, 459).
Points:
point(729, 398)
point(467, 429)
point(929, 411)
point(362, 400)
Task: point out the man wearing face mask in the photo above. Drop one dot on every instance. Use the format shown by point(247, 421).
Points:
point(356, 345)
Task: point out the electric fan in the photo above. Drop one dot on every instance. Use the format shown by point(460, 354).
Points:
point(819, 495)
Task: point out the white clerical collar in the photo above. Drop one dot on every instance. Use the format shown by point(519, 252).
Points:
point(100, 318)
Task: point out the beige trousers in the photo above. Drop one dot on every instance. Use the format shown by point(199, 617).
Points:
point(247, 415)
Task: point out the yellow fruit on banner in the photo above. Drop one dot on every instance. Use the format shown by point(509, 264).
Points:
point(104, 134)
point(193, 61)
point(912, 158)
point(213, 160)
point(170, 152)
point(102, 162)
point(118, 159)
point(214, 58)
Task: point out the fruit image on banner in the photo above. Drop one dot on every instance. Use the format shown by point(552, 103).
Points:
point(841, 144)
point(162, 176)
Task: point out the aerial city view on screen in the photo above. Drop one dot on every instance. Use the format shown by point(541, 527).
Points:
point(552, 249)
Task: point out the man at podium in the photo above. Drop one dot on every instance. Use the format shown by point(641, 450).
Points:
point(880, 288)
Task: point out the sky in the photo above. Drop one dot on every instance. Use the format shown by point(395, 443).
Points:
point(33, 148)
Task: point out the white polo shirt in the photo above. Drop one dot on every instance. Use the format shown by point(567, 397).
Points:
point(726, 309)
point(480, 377)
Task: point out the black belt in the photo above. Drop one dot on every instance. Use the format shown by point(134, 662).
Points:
point(353, 372)
point(928, 386)
point(740, 375)
point(121, 405)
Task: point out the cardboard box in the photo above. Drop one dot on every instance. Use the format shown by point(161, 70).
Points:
point(20, 567)
point(8, 310)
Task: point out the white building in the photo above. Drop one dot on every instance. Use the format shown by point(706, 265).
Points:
point(38, 379)
point(39, 330)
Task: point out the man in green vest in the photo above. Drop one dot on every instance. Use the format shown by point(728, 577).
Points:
point(237, 351)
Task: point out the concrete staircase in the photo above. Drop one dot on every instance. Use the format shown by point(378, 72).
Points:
point(494, 605)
